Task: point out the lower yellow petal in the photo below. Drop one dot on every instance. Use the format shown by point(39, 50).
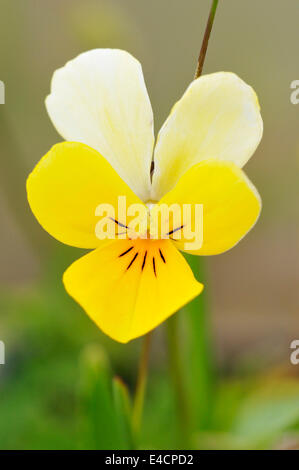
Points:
point(230, 204)
point(129, 287)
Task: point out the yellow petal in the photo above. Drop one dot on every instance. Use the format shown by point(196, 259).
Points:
point(100, 99)
point(217, 117)
point(130, 287)
point(231, 205)
point(65, 189)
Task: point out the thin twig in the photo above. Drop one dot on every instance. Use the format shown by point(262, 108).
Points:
point(206, 38)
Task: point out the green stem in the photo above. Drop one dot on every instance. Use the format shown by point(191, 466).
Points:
point(206, 38)
point(177, 376)
point(141, 384)
point(199, 352)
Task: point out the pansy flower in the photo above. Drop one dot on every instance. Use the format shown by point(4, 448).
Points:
point(100, 106)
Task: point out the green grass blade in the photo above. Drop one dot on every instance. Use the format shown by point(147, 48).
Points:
point(123, 412)
point(199, 354)
point(100, 429)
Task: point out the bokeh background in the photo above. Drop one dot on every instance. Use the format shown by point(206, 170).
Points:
point(249, 390)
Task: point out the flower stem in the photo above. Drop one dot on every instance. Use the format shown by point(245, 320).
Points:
point(141, 384)
point(177, 376)
point(174, 349)
point(206, 38)
point(198, 352)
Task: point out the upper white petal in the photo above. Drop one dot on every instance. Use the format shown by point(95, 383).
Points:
point(217, 117)
point(100, 99)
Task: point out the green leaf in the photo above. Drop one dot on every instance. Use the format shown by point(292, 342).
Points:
point(269, 411)
point(199, 357)
point(123, 412)
point(222, 441)
point(101, 430)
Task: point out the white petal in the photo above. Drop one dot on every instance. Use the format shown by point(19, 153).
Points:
point(100, 99)
point(217, 117)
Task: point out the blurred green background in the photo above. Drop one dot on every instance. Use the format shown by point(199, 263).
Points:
point(55, 388)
